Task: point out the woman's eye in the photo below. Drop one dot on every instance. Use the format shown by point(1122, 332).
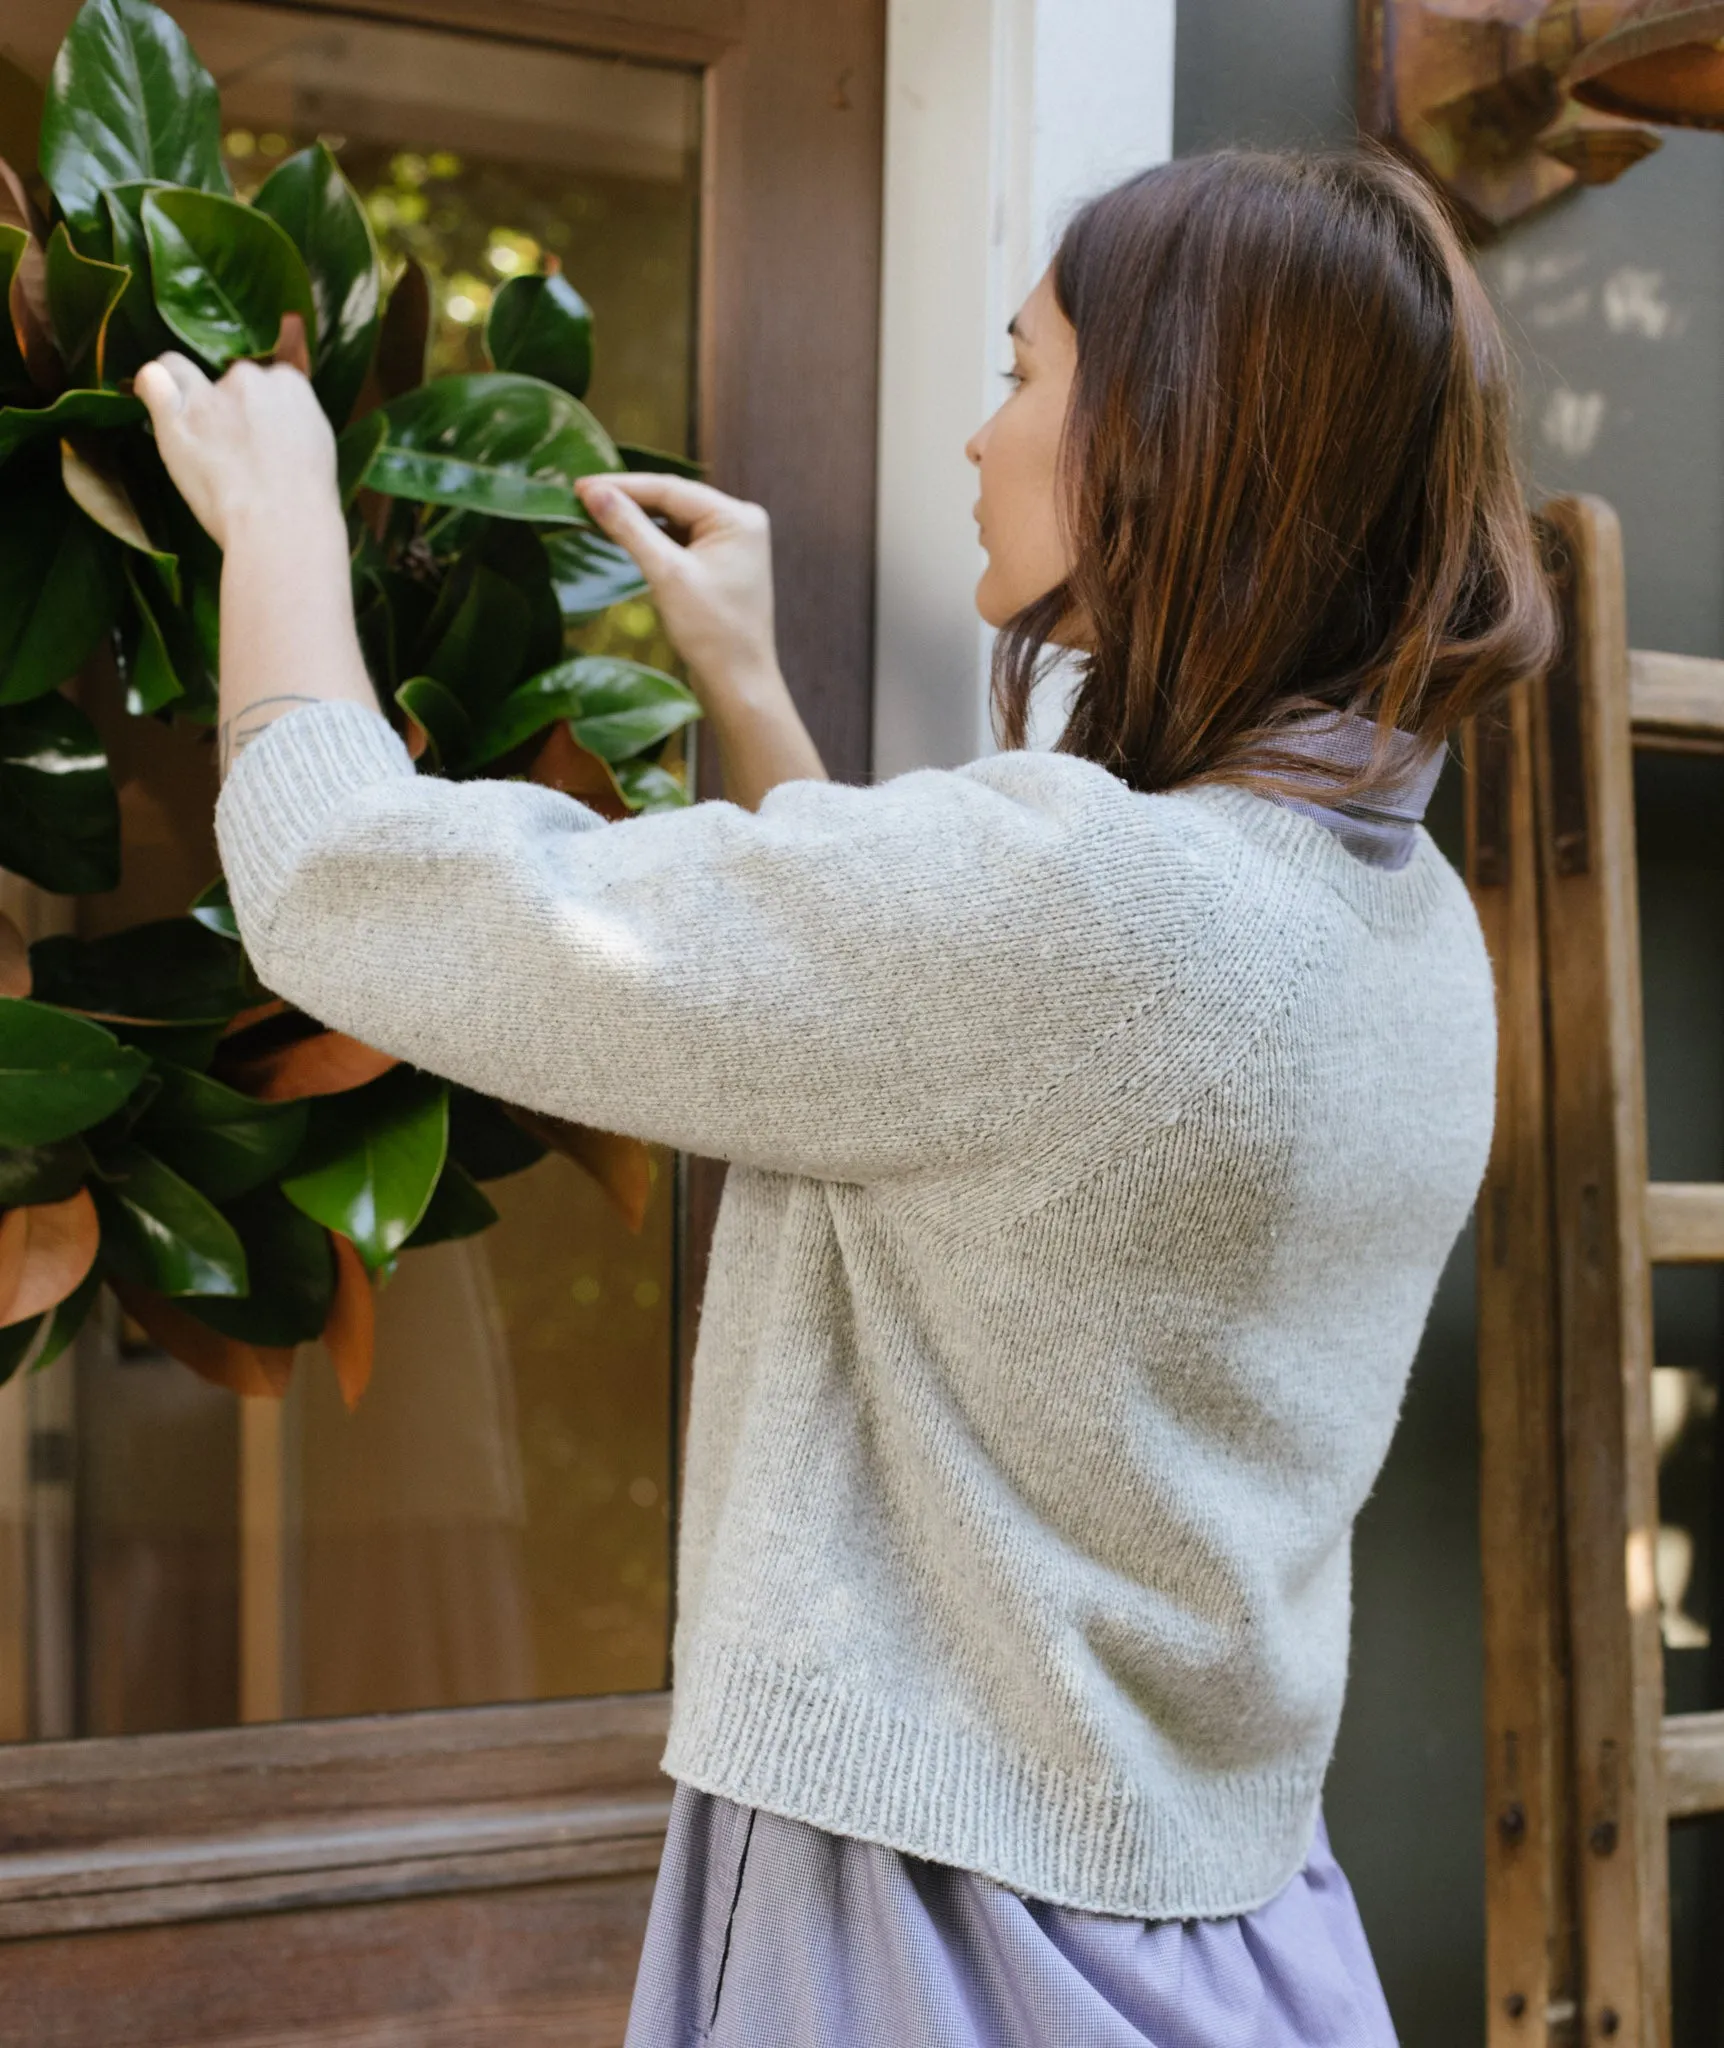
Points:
point(1014, 378)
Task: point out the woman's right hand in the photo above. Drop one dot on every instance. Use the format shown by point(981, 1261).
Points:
point(714, 592)
point(714, 596)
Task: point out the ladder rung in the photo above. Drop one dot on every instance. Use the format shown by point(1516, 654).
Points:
point(1685, 1223)
point(1693, 1749)
point(1676, 699)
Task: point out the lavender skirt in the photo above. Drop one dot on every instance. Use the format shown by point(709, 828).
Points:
point(769, 1933)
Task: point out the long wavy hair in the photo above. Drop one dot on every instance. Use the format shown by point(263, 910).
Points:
point(1287, 475)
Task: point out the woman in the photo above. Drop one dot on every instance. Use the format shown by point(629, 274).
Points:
point(1100, 1119)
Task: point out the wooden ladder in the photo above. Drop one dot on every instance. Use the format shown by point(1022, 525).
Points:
point(1584, 1770)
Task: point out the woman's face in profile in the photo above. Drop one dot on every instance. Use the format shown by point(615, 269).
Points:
point(1016, 454)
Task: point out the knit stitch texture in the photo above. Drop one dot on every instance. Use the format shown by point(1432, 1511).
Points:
point(1095, 1156)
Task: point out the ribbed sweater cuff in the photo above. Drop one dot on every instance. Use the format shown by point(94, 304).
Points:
point(302, 767)
point(793, 1743)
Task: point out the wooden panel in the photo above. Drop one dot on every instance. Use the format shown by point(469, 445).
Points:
point(63, 1795)
point(1677, 699)
point(789, 371)
point(1685, 1223)
point(543, 1966)
point(683, 31)
point(274, 1869)
point(176, 1827)
point(1693, 1751)
point(1598, 1123)
point(1531, 1964)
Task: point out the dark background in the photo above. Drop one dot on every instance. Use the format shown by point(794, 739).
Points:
point(1614, 301)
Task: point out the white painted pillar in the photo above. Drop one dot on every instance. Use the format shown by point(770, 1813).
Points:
point(1001, 116)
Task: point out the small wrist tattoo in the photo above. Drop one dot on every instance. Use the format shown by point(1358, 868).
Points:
point(238, 731)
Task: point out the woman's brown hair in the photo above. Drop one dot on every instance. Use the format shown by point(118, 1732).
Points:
point(1291, 487)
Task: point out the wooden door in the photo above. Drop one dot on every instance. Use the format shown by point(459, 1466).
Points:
point(456, 1873)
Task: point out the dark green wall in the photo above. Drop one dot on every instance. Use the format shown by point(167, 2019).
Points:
point(1614, 301)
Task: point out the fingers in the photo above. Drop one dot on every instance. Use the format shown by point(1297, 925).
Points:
point(168, 384)
point(680, 498)
point(623, 520)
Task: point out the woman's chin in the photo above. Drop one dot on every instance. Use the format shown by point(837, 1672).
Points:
point(989, 604)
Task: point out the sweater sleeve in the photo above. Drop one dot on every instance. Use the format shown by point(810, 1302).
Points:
point(848, 983)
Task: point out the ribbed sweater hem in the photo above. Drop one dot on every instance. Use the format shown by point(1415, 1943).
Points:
point(749, 1729)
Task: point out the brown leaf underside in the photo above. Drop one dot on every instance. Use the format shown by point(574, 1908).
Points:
point(255, 1369)
point(46, 1248)
point(14, 960)
point(351, 1332)
point(29, 298)
point(327, 1064)
point(621, 1166)
point(563, 763)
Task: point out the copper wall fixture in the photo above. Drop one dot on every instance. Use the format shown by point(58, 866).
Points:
point(1507, 103)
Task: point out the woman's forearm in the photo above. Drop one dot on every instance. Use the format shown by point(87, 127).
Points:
point(760, 737)
point(287, 632)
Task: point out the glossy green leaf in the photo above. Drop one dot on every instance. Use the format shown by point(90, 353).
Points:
point(659, 462)
point(42, 1173)
point(172, 970)
point(405, 336)
point(223, 275)
point(541, 327)
point(629, 707)
point(645, 786)
point(309, 199)
point(152, 678)
point(57, 583)
point(497, 443)
point(515, 551)
point(14, 372)
point(589, 572)
point(20, 425)
point(292, 1268)
point(82, 293)
point(457, 1208)
point(58, 1074)
point(355, 452)
point(158, 1231)
point(221, 1141)
point(193, 627)
point(485, 1139)
point(441, 716)
point(617, 708)
point(127, 100)
point(478, 649)
point(38, 1340)
point(137, 331)
point(372, 1158)
point(213, 908)
point(59, 814)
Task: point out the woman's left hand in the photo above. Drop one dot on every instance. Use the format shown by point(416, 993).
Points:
point(254, 445)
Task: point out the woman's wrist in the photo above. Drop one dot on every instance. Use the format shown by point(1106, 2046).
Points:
point(284, 520)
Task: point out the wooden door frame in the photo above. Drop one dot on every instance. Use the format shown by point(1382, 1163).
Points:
point(147, 1830)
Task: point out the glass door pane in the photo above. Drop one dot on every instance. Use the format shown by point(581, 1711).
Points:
point(493, 1522)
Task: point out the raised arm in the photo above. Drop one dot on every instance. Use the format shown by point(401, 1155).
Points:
point(851, 983)
point(254, 457)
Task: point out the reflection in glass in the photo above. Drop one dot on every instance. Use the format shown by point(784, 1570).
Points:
point(493, 1522)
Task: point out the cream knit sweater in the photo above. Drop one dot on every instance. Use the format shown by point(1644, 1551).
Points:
point(1096, 1156)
